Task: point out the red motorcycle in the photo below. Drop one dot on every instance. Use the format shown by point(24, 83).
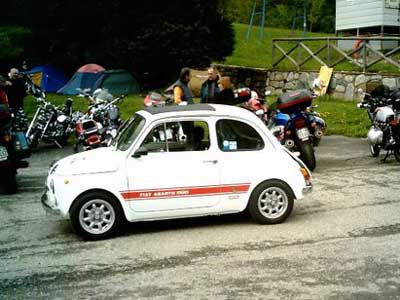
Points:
point(253, 103)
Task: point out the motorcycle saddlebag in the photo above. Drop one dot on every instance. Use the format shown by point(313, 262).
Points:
point(296, 100)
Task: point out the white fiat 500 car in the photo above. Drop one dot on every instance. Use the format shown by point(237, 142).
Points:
point(175, 162)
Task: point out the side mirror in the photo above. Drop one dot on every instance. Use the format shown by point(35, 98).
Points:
point(140, 152)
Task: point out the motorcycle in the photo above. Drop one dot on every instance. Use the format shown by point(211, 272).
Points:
point(384, 133)
point(100, 125)
point(297, 126)
point(13, 149)
point(158, 99)
point(50, 124)
point(252, 102)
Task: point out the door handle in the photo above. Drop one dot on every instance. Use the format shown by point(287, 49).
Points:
point(210, 161)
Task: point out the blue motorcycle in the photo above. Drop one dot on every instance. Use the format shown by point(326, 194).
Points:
point(297, 126)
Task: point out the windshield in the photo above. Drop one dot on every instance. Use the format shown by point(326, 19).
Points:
point(130, 132)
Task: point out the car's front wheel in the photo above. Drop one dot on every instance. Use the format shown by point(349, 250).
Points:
point(96, 215)
point(271, 202)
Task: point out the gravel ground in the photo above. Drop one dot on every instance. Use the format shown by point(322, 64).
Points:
point(341, 242)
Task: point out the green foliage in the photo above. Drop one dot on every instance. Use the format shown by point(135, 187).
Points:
point(281, 13)
point(155, 36)
point(12, 42)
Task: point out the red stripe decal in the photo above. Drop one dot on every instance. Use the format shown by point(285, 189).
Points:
point(185, 192)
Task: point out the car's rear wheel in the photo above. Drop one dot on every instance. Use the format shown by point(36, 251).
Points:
point(96, 215)
point(271, 202)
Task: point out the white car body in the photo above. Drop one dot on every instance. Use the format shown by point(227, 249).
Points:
point(163, 185)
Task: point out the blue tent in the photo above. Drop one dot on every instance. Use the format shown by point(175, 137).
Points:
point(84, 78)
point(47, 77)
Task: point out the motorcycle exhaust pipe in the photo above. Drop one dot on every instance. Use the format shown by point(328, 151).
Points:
point(318, 134)
point(289, 144)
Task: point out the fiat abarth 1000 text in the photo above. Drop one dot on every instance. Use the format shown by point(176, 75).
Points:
point(175, 162)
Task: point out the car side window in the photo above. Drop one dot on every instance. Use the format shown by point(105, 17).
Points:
point(178, 136)
point(235, 135)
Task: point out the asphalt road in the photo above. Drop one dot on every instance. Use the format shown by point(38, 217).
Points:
point(341, 242)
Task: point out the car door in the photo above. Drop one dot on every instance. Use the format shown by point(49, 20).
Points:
point(241, 150)
point(177, 173)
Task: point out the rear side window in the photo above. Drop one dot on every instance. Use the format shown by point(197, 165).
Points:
point(178, 136)
point(237, 136)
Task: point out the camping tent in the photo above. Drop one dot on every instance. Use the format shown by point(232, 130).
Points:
point(47, 77)
point(84, 78)
point(117, 82)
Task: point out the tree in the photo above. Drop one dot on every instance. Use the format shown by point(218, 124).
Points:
point(155, 37)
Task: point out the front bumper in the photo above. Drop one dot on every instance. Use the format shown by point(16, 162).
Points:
point(307, 189)
point(49, 203)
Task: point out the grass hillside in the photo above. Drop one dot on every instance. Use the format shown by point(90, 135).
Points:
point(256, 52)
point(342, 117)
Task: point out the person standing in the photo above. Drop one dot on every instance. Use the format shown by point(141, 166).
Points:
point(225, 95)
point(15, 89)
point(182, 92)
point(209, 88)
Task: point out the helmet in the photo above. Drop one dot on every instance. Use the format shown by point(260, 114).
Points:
point(102, 96)
point(375, 136)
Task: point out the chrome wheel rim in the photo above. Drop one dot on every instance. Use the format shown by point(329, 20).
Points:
point(273, 202)
point(97, 216)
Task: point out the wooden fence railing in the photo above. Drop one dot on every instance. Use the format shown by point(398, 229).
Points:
point(363, 51)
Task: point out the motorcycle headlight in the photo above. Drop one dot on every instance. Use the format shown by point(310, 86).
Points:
point(375, 136)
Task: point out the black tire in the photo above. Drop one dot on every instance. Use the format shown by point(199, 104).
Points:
point(397, 153)
point(96, 215)
point(271, 202)
point(63, 140)
point(10, 182)
point(307, 154)
point(78, 147)
point(374, 149)
point(34, 141)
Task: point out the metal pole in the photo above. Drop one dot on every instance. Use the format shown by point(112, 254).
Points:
point(305, 18)
point(251, 20)
point(262, 19)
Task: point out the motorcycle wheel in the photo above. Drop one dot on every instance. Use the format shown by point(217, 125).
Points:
point(10, 182)
point(271, 202)
point(78, 147)
point(96, 215)
point(307, 154)
point(34, 140)
point(63, 140)
point(374, 149)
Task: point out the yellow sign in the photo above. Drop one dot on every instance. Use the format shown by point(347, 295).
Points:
point(325, 74)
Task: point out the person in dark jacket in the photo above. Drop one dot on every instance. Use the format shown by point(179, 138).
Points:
point(209, 88)
point(182, 92)
point(225, 95)
point(15, 89)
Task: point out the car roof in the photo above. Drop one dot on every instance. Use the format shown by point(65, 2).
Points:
point(160, 112)
point(178, 108)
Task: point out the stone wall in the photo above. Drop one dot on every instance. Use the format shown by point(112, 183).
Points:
point(342, 85)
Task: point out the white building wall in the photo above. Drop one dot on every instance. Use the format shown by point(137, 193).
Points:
point(352, 14)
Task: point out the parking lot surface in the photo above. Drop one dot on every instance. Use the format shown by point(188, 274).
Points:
point(341, 242)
